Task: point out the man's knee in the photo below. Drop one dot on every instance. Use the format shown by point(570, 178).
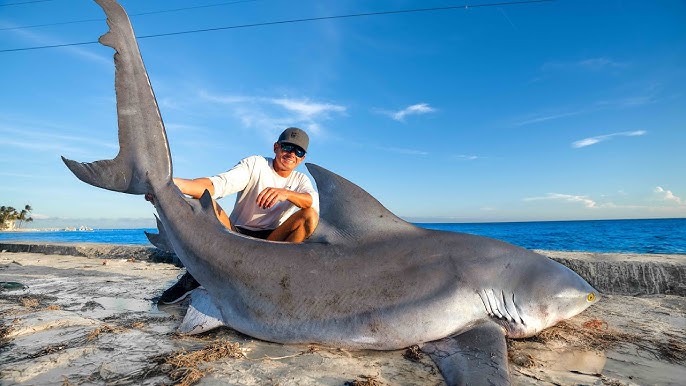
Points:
point(310, 217)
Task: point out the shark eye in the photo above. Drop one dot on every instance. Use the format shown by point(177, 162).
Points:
point(590, 297)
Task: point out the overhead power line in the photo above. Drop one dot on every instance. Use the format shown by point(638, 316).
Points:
point(291, 21)
point(133, 14)
point(25, 2)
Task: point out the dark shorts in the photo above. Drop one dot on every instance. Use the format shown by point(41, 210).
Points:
point(261, 234)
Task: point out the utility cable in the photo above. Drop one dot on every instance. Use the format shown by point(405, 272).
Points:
point(25, 2)
point(132, 15)
point(291, 21)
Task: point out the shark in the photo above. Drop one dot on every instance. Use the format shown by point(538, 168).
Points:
point(366, 279)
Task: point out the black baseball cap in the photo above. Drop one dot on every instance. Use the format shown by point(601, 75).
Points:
point(295, 136)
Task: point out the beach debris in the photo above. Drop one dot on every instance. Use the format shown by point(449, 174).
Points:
point(33, 303)
point(413, 353)
point(521, 359)
point(596, 324)
point(596, 335)
point(103, 329)
point(29, 302)
point(674, 350)
point(4, 332)
point(91, 305)
point(366, 380)
point(183, 367)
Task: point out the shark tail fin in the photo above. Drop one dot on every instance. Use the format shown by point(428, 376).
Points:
point(106, 174)
point(144, 159)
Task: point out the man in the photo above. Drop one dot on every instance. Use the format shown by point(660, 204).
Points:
point(274, 202)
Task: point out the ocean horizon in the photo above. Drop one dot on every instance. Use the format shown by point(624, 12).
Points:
point(648, 236)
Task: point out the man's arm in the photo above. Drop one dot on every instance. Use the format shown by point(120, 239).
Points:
point(195, 187)
point(271, 196)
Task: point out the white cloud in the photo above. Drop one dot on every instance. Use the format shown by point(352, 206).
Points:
point(587, 202)
point(598, 63)
point(271, 115)
point(601, 105)
point(632, 101)
point(399, 150)
point(416, 109)
point(466, 157)
point(600, 138)
point(667, 195)
point(306, 108)
point(538, 118)
point(591, 64)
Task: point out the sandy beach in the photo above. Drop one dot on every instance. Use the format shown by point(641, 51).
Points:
point(85, 314)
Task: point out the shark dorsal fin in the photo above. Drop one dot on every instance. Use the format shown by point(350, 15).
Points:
point(348, 212)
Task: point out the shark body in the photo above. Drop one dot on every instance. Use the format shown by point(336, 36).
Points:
point(366, 279)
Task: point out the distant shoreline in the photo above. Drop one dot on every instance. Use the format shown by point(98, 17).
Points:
point(82, 228)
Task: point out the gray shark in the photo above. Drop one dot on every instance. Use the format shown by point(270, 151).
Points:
point(365, 280)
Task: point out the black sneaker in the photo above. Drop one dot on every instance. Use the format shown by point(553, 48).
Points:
point(180, 290)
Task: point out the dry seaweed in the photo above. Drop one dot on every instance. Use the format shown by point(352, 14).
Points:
point(413, 354)
point(183, 367)
point(521, 359)
point(29, 302)
point(597, 335)
point(366, 380)
point(32, 302)
point(103, 329)
point(673, 350)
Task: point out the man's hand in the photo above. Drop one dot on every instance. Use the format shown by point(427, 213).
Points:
point(271, 196)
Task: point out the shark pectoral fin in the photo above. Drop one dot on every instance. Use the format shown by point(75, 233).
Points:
point(202, 315)
point(475, 357)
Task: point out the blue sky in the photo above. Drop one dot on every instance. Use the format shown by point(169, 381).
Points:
point(544, 111)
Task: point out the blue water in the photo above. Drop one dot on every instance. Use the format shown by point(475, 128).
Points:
point(109, 236)
point(631, 236)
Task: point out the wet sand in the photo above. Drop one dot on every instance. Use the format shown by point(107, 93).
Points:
point(92, 320)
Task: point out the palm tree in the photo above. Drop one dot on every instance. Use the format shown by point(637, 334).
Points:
point(23, 215)
point(8, 215)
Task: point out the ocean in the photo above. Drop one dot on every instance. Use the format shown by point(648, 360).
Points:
point(625, 236)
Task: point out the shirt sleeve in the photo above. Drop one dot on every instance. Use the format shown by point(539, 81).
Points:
point(234, 180)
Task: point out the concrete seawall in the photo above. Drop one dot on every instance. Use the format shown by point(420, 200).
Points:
point(610, 273)
point(93, 250)
point(626, 273)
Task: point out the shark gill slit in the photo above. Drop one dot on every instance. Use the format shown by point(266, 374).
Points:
point(519, 312)
point(508, 315)
point(494, 303)
point(501, 306)
point(487, 305)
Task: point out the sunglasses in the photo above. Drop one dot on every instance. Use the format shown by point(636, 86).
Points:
point(290, 148)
